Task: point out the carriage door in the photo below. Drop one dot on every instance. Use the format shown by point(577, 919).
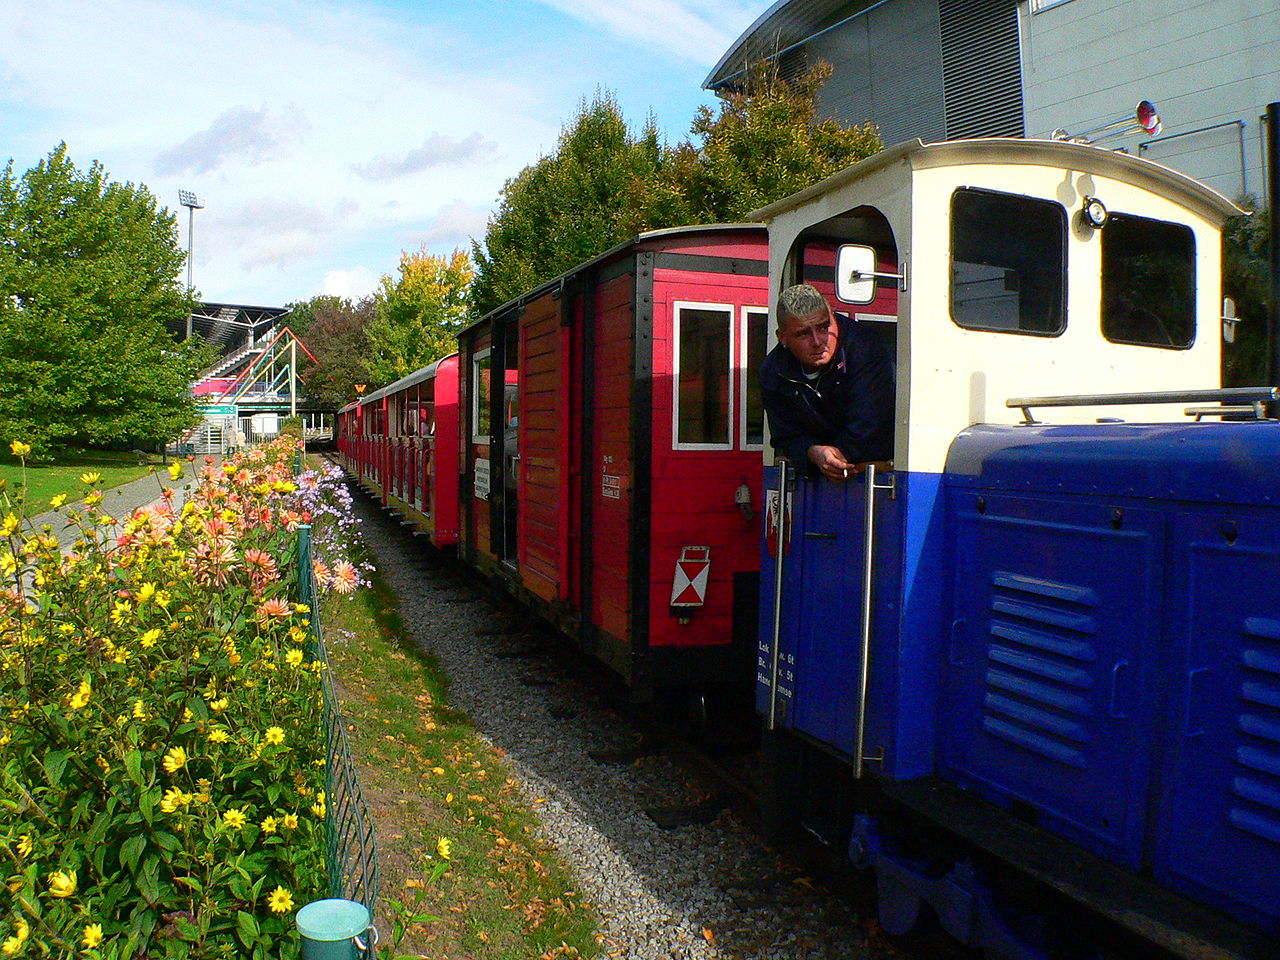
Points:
point(510, 450)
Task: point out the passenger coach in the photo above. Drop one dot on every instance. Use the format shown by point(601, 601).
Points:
point(611, 452)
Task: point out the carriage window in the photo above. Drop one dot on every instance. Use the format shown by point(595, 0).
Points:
point(702, 400)
point(1148, 282)
point(1008, 263)
point(481, 398)
point(757, 336)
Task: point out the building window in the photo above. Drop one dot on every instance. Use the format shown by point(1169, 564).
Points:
point(756, 339)
point(703, 338)
point(1008, 263)
point(1040, 6)
point(1148, 282)
point(481, 396)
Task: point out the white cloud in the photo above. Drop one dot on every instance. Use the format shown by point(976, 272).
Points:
point(453, 226)
point(436, 151)
point(240, 135)
point(353, 284)
point(697, 31)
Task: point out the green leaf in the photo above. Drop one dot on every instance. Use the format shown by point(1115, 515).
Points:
point(131, 851)
point(149, 879)
point(55, 762)
point(167, 841)
point(133, 766)
point(246, 928)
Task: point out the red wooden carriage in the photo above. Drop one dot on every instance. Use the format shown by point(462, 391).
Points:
point(614, 481)
point(401, 442)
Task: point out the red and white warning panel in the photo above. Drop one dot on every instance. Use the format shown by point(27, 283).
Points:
point(693, 570)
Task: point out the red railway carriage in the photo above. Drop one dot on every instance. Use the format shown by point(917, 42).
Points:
point(614, 480)
point(401, 442)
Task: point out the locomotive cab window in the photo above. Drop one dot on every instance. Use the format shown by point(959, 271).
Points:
point(1148, 282)
point(703, 400)
point(756, 338)
point(1008, 263)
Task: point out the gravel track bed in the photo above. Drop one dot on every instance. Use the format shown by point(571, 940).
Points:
point(701, 891)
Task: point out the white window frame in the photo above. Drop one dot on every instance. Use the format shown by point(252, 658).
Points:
point(729, 315)
point(475, 395)
point(745, 373)
point(1040, 6)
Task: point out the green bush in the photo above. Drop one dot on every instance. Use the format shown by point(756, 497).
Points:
point(161, 739)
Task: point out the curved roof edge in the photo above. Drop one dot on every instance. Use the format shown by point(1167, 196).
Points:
point(1207, 201)
point(534, 292)
point(422, 373)
point(741, 42)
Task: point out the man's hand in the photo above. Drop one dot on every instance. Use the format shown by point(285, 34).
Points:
point(831, 462)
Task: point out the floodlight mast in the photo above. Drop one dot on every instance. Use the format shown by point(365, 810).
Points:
point(189, 200)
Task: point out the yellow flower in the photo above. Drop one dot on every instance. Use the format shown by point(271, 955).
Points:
point(175, 760)
point(444, 847)
point(62, 883)
point(8, 563)
point(92, 935)
point(24, 845)
point(80, 698)
point(10, 525)
point(93, 499)
point(146, 592)
point(58, 500)
point(269, 825)
point(280, 900)
point(274, 735)
point(175, 470)
point(148, 639)
point(21, 931)
point(234, 818)
point(217, 706)
point(218, 735)
point(90, 478)
point(293, 658)
point(140, 711)
point(19, 449)
point(318, 809)
point(289, 821)
point(173, 799)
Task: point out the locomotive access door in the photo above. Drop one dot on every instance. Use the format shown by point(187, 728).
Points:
point(819, 626)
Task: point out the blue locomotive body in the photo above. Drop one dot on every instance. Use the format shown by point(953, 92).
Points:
point(1079, 620)
point(1052, 648)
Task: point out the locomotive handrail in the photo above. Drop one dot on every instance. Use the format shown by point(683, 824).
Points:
point(1253, 395)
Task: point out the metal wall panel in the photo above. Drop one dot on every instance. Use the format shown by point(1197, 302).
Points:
point(981, 67)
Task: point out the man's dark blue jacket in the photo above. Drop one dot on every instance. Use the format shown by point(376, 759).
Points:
point(849, 405)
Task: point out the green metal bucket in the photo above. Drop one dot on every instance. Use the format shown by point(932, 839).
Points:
point(329, 929)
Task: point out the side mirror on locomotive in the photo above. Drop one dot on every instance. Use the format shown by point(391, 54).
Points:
point(1049, 638)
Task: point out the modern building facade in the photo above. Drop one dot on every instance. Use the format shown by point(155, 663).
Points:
point(954, 69)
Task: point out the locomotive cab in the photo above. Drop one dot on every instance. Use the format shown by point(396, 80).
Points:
point(1043, 613)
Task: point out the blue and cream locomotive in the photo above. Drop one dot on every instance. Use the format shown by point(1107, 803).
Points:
point(1042, 653)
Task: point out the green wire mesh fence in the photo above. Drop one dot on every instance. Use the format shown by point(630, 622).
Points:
point(351, 852)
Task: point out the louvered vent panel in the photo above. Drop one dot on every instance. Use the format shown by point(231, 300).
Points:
point(1039, 685)
point(1256, 781)
point(981, 68)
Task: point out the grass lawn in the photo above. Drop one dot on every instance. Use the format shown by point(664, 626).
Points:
point(500, 893)
point(43, 481)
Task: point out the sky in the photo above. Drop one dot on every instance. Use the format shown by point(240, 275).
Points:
point(325, 138)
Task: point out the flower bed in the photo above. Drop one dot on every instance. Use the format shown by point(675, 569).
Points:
point(161, 738)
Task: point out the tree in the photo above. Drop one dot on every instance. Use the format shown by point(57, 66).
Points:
point(603, 185)
point(418, 314)
point(1245, 278)
point(765, 142)
point(334, 330)
point(567, 207)
point(88, 276)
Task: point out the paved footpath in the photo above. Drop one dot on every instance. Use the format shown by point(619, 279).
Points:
point(119, 501)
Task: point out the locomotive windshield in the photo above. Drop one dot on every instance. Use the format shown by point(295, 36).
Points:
point(1148, 282)
point(1008, 263)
